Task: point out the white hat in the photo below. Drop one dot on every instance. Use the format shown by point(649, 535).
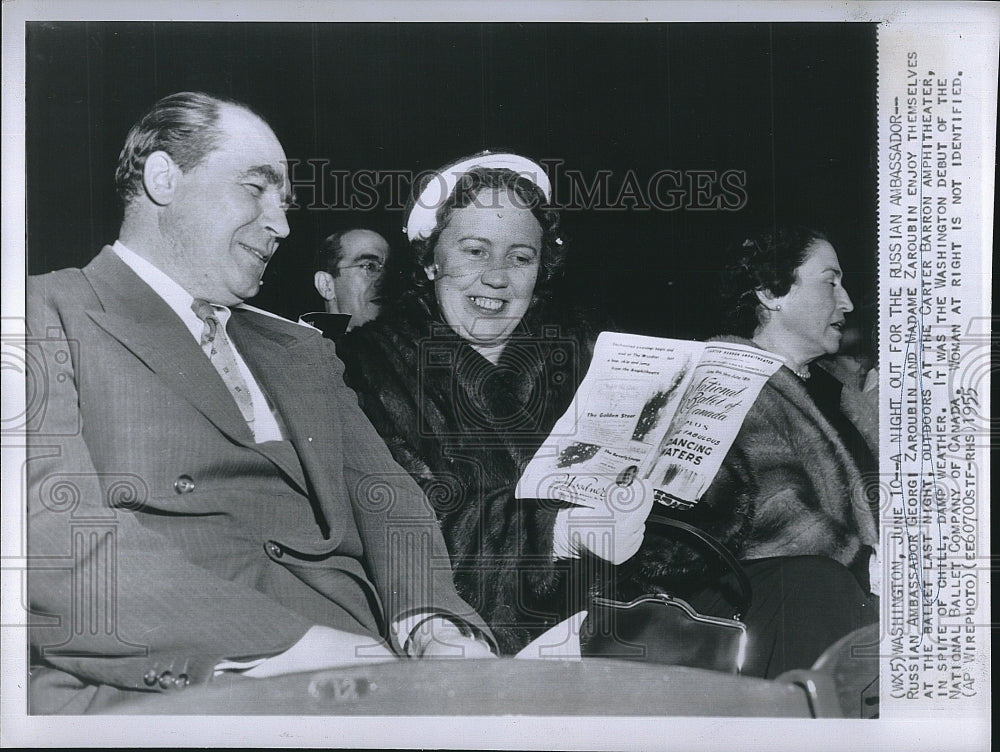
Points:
point(423, 216)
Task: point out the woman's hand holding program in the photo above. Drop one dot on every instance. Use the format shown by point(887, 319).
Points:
point(611, 527)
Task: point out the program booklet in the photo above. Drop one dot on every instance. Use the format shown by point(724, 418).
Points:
point(663, 410)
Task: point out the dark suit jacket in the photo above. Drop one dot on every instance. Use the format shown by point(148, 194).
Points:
point(162, 538)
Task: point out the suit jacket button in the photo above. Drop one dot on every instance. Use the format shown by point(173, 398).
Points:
point(150, 677)
point(166, 680)
point(274, 549)
point(184, 484)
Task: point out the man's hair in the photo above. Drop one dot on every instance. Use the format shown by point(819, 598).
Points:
point(330, 253)
point(765, 261)
point(184, 125)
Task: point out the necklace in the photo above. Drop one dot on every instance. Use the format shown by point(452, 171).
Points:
point(803, 374)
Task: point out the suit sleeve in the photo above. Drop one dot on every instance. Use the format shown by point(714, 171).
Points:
point(112, 602)
point(404, 548)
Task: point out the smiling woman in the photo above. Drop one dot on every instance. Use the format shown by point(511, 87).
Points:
point(790, 500)
point(485, 268)
point(468, 373)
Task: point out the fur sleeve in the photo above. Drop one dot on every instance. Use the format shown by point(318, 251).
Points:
point(500, 547)
point(502, 558)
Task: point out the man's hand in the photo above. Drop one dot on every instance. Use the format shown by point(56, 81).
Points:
point(321, 648)
point(441, 638)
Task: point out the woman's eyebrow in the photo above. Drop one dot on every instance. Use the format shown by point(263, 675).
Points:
point(487, 241)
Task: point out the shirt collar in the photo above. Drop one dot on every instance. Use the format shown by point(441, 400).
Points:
point(173, 294)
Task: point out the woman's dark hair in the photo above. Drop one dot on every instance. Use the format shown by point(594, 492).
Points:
point(766, 261)
point(523, 192)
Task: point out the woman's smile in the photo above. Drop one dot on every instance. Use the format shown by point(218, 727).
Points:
point(487, 305)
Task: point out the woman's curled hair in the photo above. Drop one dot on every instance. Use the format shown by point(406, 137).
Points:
point(764, 261)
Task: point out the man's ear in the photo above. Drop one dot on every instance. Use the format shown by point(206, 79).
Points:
point(323, 281)
point(159, 177)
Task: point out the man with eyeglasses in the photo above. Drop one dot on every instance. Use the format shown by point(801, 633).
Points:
point(349, 267)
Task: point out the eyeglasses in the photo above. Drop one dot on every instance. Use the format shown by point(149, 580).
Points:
point(370, 269)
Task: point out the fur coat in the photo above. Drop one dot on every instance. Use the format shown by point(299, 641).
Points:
point(465, 429)
point(787, 487)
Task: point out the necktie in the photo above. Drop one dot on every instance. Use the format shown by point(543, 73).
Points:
point(220, 351)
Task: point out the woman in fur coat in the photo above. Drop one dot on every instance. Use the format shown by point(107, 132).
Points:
point(790, 500)
point(465, 377)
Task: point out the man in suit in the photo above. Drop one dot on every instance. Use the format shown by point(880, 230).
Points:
point(204, 495)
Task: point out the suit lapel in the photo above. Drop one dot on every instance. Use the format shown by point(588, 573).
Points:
point(283, 364)
point(142, 322)
point(290, 367)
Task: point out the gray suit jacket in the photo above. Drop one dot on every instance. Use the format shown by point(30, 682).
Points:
point(162, 538)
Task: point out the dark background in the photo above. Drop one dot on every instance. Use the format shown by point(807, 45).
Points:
point(792, 105)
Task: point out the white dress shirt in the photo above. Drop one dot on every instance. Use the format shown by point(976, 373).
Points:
point(265, 426)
